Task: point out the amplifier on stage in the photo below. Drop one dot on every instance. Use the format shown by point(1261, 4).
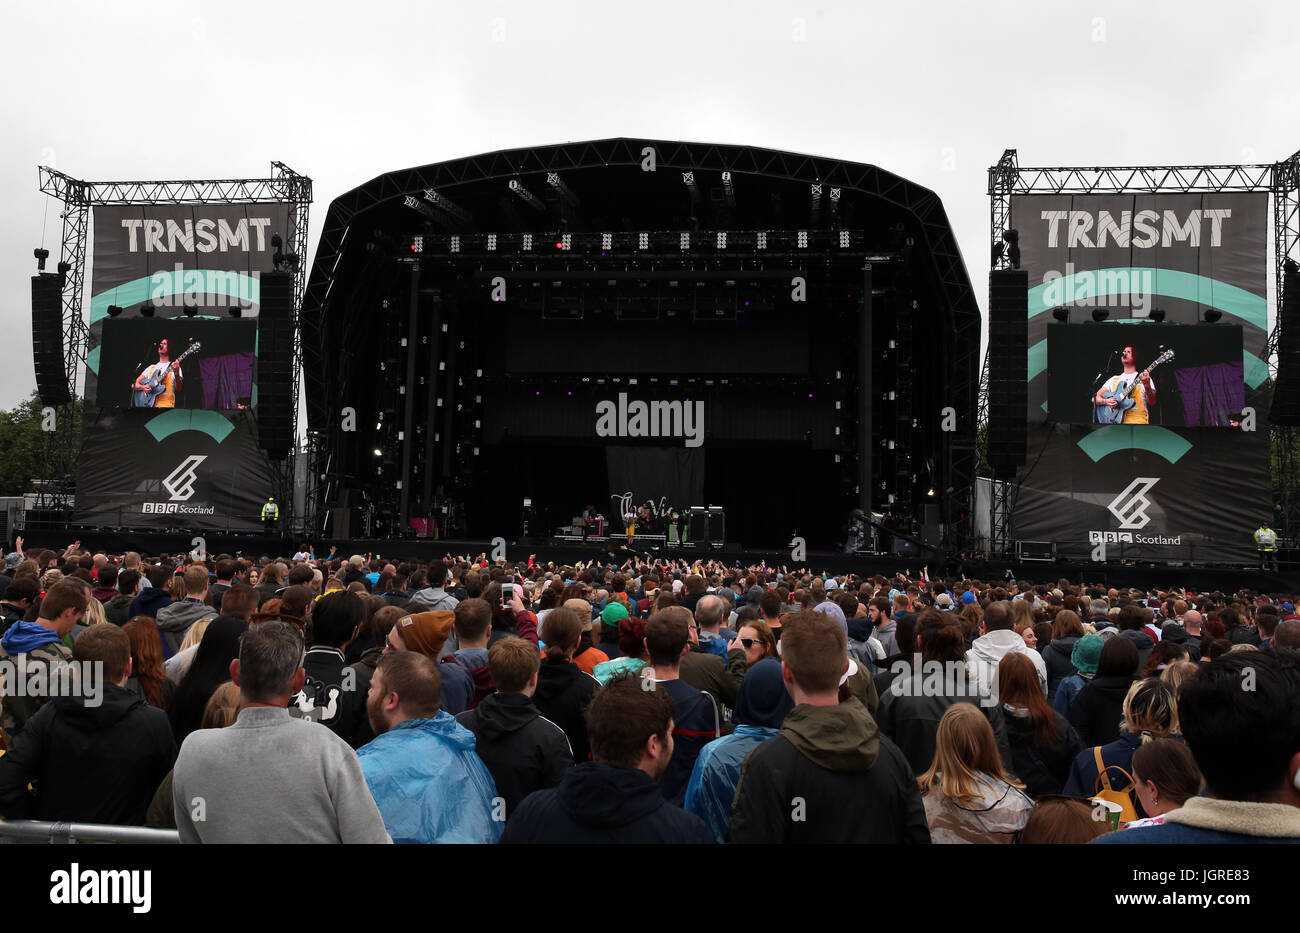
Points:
point(1043, 551)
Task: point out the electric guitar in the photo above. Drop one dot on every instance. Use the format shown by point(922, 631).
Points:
point(144, 398)
point(1108, 415)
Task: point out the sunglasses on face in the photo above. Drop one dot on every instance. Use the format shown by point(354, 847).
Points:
point(748, 642)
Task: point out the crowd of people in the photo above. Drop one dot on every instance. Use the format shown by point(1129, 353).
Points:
point(477, 701)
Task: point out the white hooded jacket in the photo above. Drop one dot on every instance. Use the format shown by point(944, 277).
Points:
point(987, 652)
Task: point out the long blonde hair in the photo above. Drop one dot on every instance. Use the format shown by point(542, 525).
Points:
point(194, 634)
point(964, 745)
point(95, 612)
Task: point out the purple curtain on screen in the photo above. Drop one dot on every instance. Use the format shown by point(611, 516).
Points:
point(226, 379)
point(1212, 395)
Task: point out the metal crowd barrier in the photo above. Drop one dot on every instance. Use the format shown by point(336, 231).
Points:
point(34, 831)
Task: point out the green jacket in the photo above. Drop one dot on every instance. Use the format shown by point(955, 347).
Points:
point(17, 707)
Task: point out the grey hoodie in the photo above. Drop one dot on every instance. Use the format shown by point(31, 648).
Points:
point(986, 654)
point(175, 620)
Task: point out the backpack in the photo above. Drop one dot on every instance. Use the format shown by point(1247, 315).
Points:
point(482, 677)
point(1128, 812)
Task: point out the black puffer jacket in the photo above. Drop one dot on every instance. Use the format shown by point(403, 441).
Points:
point(1057, 658)
point(602, 803)
point(1098, 709)
point(1144, 643)
point(88, 764)
point(524, 750)
point(563, 692)
point(1042, 769)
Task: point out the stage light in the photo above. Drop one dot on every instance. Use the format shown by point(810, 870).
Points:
point(146, 310)
point(276, 242)
point(761, 240)
point(41, 255)
point(930, 493)
point(566, 241)
point(492, 241)
point(527, 196)
point(1061, 314)
point(1157, 315)
point(607, 241)
point(802, 239)
point(454, 244)
point(643, 241)
point(721, 239)
point(1212, 315)
point(528, 241)
point(114, 310)
point(844, 239)
point(1100, 314)
point(190, 311)
point(684, 240)
point(236, 311)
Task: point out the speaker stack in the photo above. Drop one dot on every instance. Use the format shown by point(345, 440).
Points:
point(275, 365)
point(47, 339)
point(1008, 370)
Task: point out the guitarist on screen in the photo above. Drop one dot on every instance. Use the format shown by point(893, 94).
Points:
point(172, 379)
point(1141, 389)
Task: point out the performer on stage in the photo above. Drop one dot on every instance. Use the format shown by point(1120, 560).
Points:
point(1140, 388)
point(170, 378)
point(1266, 544)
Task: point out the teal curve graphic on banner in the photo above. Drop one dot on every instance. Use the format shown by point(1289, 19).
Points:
point(211, 423)
point(159, 285)
point(1167, 283)
point(1254, 370)
point(1111, 438)
point(92, 360)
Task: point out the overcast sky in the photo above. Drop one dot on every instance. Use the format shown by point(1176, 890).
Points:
point(343, 92)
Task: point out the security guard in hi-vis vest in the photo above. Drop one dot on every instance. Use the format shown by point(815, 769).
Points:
point(270, 515)
point(1266, 544)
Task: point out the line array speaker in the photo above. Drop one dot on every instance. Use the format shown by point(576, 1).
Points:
point(1285, 409)
point(275, 365)
point(1008, 369)
point(47, 339)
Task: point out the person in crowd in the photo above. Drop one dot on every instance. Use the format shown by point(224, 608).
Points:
point(1062, 821)
point(1246, 744)
point(148, 678)
point(1067, 629)
point(1161, 656)
point(473, 628)
point(1043, 744)
point(758, 642)
point(563, 689)
point(611, 619)
point(710, 613)
point(1178, 672)
point(997, 641)
point(697, 719)
point(1098, 709)
point(522, 749)
point(421, 768)
point(18, 598)
point(587, 656)
point(270, 777)
point(969, 798)
point(760, 711)
point(221, 711)
point(176, 618)
point(150, 600)
point(633, 655)
point(1165, 777)
point(332, 694)
point(911, 709)
point(705, 670)
point(39, 644)
point(210, 669)
point(89, 755)
point(1084, 658)
point(426, 633)
point(1131, 623)
point(828, 775)
point(1150, 712)
point(615, 797)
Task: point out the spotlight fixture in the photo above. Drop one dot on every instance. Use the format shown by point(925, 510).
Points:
point(41, 255)
point(146, 310)
point(1157, 315)
point(1061, 314)
point(236, 311)
point(1212, 315)
point(378, 452)
point(114, 310)
point(1100, 314)
point(190, 310)
point(276, 242)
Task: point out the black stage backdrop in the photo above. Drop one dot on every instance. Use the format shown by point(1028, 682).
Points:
point(1145, 491)
point(671, 476)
